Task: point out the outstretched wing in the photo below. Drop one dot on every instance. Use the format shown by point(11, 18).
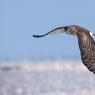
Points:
point(87, 49)
point(54, 31)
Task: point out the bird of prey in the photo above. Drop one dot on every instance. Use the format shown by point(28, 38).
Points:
point(86, 43)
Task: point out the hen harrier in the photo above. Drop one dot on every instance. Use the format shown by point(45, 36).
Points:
point(85, 40)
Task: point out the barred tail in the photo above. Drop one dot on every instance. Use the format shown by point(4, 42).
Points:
point(54, 31)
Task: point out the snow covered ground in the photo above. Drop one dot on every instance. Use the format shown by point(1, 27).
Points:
point(46, 78)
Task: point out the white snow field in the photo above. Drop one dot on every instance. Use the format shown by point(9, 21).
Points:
point(46, 78)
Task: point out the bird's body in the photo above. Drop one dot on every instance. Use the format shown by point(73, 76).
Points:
point(85, 40)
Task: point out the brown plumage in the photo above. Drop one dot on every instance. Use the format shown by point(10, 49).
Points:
point(85, 40)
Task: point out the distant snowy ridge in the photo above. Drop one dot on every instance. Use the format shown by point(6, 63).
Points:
point(46, 65)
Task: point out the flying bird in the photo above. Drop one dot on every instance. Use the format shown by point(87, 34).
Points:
point(86, 43)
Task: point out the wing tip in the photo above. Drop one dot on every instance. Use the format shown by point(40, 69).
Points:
point(36, 36)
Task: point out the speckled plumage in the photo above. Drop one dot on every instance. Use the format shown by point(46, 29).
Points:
point(85, 40)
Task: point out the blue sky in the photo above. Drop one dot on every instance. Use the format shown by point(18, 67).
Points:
point(20, 19)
